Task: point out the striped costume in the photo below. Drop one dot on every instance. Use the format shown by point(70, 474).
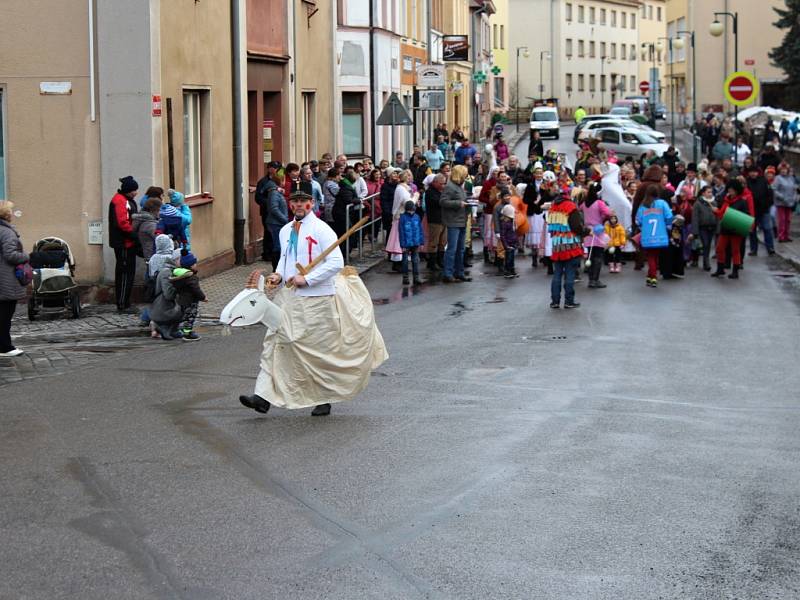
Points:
point(566, 244)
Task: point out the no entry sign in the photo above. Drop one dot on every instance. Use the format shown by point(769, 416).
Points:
point(741, 88)
point(644, 86)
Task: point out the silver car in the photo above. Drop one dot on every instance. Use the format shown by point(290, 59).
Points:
point(627, 141)
point(590, 129)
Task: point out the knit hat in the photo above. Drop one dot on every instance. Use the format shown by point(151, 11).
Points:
point(508, 211)
point(770, 169)
point(175, 197)
point(188, 260)
point(410, 206)
point(128, 184)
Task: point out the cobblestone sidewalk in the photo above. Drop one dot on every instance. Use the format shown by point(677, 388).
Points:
point(54, 345)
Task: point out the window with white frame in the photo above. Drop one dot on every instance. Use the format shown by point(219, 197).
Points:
point(353, 122)
point(602, 83)
point(650, 12)
point(496, 37)
point(623, 19)
point(591, 49)
point(623, 52)
point(196, 142)
point(2, 147)
point(592, 80)
point(613, 51)
point(633, 82)
point(309, 125)
point(568, 47)
point(502, 37)
point(644, 11)
point(580, 13)
point(602, 16)
point(580, 48)
point(568, 82)
point(659, 13)
point(633, 20)
point(580, 82)
point(568, 11)
point(633, 52)
point(591, 15)
point(613, 18)
point(603, 50)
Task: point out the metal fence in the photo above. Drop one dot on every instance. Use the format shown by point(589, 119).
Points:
point(370, 224)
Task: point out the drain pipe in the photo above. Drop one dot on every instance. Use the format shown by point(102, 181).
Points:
point(239, 194)
point(373, 88)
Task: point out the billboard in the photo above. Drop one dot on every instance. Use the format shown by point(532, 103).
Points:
point(455, 47)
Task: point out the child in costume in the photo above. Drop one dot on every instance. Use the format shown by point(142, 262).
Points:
point(508, 235)
point(617, 240)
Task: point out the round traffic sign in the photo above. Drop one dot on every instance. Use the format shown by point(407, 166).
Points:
point(741, 88)
point(498, 128)
point(644, 86)
point(749, 62)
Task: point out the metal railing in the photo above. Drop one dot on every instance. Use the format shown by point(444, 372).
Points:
point(371, 224)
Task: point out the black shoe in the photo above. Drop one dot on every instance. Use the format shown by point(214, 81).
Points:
point(572, 304)
point(463, 278)
point(770, 252)
point(447, 279)
point(321, 410)
point(752, 254)
point(734, 274)
point(706, 267)
point(599, 285)
point(719, 272)
point(405, 280)
point(418, 281)
point(555, 305)
point(486, 257)
point(257, 403)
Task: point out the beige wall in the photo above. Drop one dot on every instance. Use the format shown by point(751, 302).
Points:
point(455, 21)
point(315, 44)
point(52, 147)
point(196, 52)
point(650, 29)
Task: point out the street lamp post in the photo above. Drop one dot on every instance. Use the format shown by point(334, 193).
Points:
point(671, 89)
point(526, 55)
point(542, 55)
point(679, 44)
point(717, 29)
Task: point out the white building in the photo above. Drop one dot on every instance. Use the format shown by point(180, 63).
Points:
point(585, 53)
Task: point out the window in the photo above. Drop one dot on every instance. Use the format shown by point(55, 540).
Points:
point(2, 148)
point(609, 136)
point(580, 48)
point(650, 11)
point(591, 15)
point(633, 82)
point(591, 49)
point(603, 50)
point(568, 82)
point(602, 83)
point(623, 19)
point(499, 91)
point(659, 13)
point(613, 18)
point(580, 13)
point(629, 138)
point(568, 49)
point(196, 142)
point(592, 83)
point(602, 16)
point(644, 11)
point(633, 52)
point(623, 52)
point(580, 83)
point(496, 37)
point(502, 37)
point(568, 11)
point(309, 125)
point(621, 83)
point(353, 122)
point(633, 20)
point(408, 63)
point(613, 51)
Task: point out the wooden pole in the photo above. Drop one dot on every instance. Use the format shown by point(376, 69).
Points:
point(304, 270)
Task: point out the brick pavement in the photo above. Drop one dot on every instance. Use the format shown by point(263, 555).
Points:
point(54, 346)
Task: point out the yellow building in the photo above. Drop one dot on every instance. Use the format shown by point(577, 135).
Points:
point(451, 17)
point(652, 26)
point(500, 56)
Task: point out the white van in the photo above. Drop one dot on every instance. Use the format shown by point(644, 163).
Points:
point(544, 119)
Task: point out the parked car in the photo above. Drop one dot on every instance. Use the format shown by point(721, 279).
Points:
point(590, 130)
point(591, 119)
point(660, 111)
point(544, 119)
point(627, 141)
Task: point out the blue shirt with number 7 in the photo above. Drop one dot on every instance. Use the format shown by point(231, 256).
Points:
point(654, 223)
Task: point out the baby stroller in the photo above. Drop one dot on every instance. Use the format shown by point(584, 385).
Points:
point(54, 289)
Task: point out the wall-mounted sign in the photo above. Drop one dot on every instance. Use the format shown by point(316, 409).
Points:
point(268, 147)
point(430, 76)
point(432, 100)
point(156, 106)
point(63, 88)
point(455, 47)
point(96, 233)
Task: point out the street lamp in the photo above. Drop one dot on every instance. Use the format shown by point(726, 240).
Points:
point(717, 29)
point(542, 55)
point(679, 44)
point(660, 46)
point(526, 54)
point(603, 60)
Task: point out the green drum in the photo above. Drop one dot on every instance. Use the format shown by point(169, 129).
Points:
point(737, 222)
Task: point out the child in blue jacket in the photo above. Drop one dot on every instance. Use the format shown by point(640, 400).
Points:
point(654, 219)
point(411, 238)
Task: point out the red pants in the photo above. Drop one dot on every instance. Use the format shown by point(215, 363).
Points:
point(784, 222)
point(734, 242)
point(652, 261)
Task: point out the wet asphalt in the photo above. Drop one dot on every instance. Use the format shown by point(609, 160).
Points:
point(642, 446)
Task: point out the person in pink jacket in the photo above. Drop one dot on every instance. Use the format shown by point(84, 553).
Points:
point(595, 212)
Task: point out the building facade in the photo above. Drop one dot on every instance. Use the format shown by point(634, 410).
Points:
point(500, 57)
point(452, 18)
point(715, 55)
point(652, 59)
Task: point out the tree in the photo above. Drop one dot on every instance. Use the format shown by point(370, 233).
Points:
point(787, 55)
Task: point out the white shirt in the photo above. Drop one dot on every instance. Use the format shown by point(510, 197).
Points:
point(314, 237)
point(401, 196)
point(361, 188)
point(740, 153)
point(698, 184)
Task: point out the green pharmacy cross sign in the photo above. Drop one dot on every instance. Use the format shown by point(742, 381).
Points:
point(479, 77)
point(496, 70)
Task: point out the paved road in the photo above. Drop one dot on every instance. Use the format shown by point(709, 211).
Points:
point(643, 446)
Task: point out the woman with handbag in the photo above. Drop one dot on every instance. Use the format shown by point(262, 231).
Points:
point(15, 275)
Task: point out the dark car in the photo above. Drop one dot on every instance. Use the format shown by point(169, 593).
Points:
point(660, 111)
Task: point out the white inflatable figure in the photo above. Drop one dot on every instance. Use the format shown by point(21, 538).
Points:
point(614, 196)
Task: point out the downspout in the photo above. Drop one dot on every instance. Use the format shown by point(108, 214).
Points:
point(552, 49)
point(92, 105)
point(239, 196)
point(373, 93)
